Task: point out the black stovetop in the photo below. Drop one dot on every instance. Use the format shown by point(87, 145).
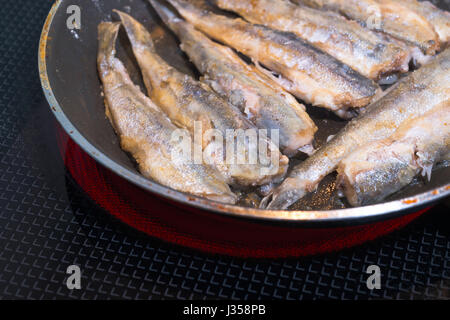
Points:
point(47, 222)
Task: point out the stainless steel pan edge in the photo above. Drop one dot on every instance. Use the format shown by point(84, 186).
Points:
point(330, 218)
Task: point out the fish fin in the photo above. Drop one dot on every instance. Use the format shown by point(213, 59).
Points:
point(266, 201)
point(282, 82)
point(307, 149)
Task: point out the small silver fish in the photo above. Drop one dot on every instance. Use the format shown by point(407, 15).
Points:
point(392, 17)
point(264, 102)
point(305, 71)
point(145, 131)
point(190, 104)
point(411, 97)
point(370, 53)
point(382, 168)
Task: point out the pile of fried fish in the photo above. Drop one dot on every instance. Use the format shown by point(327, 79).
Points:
point(332, 54)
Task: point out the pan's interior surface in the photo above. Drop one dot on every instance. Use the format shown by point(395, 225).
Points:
point(70, 61)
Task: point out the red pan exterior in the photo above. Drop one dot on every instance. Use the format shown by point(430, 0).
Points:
point(203, 230)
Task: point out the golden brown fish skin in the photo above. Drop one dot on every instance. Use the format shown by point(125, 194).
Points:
point(370, 53)
point(381, 168)
point(145, 131)
point(439, 19)
point(187, 102)
point(307, 72)
point(394, 17)
point(411, 97)
point(266, 104)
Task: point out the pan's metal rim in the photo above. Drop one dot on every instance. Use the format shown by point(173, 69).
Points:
point(347, 216)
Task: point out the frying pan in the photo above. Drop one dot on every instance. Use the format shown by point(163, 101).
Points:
point(67, 65)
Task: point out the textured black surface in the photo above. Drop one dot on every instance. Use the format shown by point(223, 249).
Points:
point(47, 223)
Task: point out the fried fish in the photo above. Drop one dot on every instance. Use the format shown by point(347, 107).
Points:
point(389, 16)
point(305, 71)
point(264, 103)
point(382, 168)
point(370, 53)
point(411, 97)
point(145, 131)
point(193, 105)
point(438, 18)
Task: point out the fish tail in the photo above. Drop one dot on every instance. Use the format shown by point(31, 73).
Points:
point(137, 33)
point(167, 13)
point(107, 35)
